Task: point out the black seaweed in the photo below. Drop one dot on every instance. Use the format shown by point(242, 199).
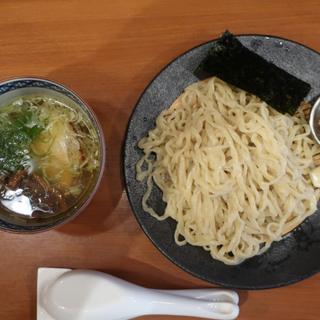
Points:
point(230, 61)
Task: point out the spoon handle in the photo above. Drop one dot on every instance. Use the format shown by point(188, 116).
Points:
point(172, 304)
point(213, 295)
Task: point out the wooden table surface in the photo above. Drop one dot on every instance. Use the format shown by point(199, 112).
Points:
point(108, 51)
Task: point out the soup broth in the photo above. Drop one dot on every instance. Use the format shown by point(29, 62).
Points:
point(49, 156)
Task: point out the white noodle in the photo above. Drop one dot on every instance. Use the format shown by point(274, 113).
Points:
point(233, 171)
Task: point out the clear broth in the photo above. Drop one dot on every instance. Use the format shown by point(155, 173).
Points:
point(54, 157)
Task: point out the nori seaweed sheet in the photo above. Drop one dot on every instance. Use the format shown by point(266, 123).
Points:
point(230, 61)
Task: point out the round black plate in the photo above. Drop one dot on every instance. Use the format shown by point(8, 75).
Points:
point(292, 259)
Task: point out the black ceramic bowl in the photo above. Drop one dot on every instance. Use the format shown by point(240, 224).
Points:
point(292, 259)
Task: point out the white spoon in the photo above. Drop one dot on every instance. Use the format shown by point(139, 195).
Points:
point(65, 294)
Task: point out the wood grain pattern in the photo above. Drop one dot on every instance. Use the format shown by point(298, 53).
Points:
point(108, 51)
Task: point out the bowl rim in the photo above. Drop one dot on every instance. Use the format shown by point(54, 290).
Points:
point(102, 147)
point(312, 119)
